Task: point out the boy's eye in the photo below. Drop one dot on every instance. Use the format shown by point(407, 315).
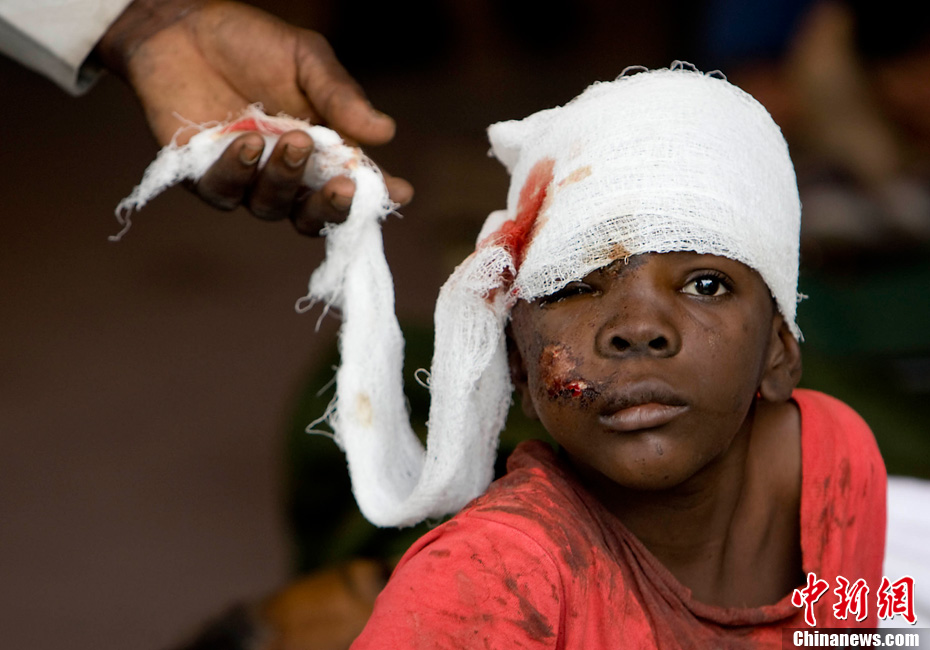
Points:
point(706, 285)
point(568, 291)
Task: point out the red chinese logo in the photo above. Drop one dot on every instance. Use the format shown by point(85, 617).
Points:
point(852, 599)
point(809, 595)
point(897, 598)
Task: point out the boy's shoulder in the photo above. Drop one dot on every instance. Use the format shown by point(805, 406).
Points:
point(486, 574)
point(841, 462)
point(537, 508)
point(824, 407)
point(538, 492)
point(831, 429)
point(843, 489)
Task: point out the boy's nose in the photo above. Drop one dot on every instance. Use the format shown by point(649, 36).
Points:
point(638, 329)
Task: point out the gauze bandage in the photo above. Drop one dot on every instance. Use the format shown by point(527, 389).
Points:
point(670, 160)
point(661, 161)
point(330, 158)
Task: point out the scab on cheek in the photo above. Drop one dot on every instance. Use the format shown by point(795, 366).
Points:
point(559, 374)
point(576, 388)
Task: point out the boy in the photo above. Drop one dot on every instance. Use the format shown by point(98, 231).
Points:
point(649, 275)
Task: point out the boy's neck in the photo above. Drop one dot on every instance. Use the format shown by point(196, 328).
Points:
point(716, 526)
point(688, 521)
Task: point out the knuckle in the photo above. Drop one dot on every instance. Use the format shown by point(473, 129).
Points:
point(215, 199)
point(315, 41)
point(225, 204)
point(266, 212)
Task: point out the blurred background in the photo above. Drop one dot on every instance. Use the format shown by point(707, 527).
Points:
point(153, 393)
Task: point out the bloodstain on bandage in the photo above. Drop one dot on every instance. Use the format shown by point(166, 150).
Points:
point(576, 176)
point(516, 234)
point(252, 124)
point(363, 409)
point(560, 374)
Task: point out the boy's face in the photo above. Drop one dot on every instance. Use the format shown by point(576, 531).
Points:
point(645, 371)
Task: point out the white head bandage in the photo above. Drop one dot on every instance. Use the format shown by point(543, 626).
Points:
point(661, 161)
point(670, 160)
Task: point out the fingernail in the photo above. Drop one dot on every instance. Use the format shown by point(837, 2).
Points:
point(296, 156)
point(249, 154)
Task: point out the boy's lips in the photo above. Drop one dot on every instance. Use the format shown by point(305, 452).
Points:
point(642, 407)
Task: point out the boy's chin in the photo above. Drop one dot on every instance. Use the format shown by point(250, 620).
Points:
point(655, 481)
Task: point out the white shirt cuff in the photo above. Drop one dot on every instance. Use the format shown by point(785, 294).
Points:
point(55, 37)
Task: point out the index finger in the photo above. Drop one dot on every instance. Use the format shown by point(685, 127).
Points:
point(226, 183)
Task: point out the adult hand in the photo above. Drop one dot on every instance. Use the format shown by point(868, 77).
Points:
point(206, 60)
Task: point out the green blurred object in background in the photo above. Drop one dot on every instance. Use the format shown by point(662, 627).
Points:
point(866, 342)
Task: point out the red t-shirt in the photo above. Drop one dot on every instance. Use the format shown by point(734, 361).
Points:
point(537, 562)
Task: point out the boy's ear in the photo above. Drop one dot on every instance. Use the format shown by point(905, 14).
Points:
point(783, 370)
point(518, 375)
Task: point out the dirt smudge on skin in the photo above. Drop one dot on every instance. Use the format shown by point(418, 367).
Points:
point(624, 262)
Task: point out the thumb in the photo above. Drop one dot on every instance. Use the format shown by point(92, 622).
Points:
point(335, 96)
